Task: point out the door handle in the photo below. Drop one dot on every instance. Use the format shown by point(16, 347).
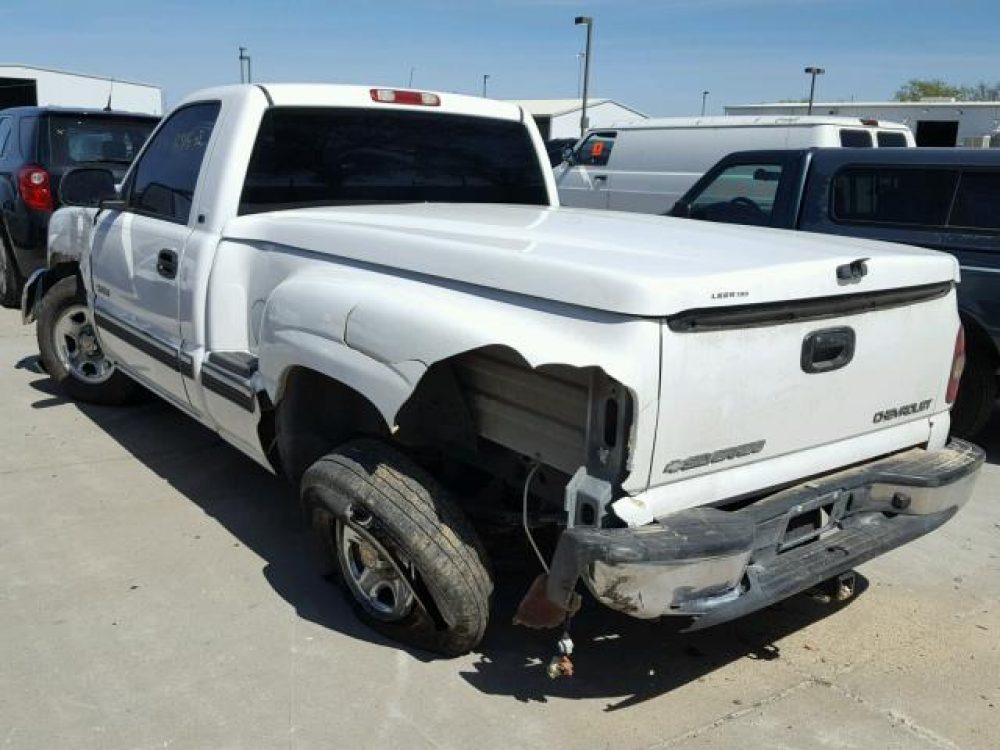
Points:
point(600, 178)
point(166, 264)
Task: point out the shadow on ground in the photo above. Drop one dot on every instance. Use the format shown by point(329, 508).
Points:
point(624, 660)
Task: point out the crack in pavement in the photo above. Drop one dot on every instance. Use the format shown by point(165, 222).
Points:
point(895, 718)
point(765, 701)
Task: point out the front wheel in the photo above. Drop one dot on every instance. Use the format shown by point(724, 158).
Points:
point(411, 565)
point(70, 351)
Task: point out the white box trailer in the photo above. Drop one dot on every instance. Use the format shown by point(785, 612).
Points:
point(26, 86)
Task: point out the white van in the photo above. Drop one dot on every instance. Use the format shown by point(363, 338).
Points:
point(645, 166)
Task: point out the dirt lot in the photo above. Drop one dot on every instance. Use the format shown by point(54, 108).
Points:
point(153, 593)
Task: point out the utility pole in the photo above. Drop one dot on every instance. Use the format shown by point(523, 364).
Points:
point(704, 99)
point(244, 57)
point(486, 77)
point(589, 23)
point(813, 71)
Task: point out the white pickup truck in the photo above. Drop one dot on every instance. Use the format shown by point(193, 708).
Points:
point(375, 293)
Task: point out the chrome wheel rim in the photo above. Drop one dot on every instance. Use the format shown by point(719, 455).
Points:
point(77, 346)
point(372, 575)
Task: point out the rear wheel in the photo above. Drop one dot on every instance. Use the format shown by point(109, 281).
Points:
point(977, 394)
point(70, 351)
point(10, 280)
point(411, 565)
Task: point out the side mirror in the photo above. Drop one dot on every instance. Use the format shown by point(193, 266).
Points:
point(568, 155)
point(87, 186)
point(681, 209)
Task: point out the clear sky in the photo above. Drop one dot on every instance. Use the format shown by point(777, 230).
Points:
point(655, 55)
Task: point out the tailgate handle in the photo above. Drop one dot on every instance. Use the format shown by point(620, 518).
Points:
point(827, 350)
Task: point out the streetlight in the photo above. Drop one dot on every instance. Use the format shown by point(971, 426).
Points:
point(244, 57)
point(589, 23)
point(486, 77)
point(410, 84)
point(813, 71)
point(579, 74)
point(704, 98)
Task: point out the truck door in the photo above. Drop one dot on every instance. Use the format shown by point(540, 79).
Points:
point(586, 181)
point(137, 253)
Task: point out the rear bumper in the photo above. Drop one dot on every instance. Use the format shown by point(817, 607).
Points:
point(715, 565)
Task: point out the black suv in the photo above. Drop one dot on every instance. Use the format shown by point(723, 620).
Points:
point(946, 199)
point(37, 145)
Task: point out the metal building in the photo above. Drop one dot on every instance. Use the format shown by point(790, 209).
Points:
point(934, 122)
point(560, 118)
point(23, 85)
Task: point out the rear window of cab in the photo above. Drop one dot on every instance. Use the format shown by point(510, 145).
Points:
point(924, 197)
point(326, 156)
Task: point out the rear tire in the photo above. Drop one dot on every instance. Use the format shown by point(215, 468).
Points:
point(10, 279)
point(70, 351)
point(412, 566)
point(977, 394)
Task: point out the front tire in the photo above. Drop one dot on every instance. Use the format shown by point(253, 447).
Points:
point(71, 352)
point(411, 565)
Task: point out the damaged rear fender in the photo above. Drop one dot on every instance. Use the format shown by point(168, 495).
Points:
point(381, 339)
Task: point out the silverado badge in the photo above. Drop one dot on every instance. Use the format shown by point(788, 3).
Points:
point(704, 459)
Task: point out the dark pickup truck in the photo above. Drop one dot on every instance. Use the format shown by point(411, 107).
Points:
point(945, 199)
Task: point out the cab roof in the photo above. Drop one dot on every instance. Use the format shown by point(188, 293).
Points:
point(337, 95)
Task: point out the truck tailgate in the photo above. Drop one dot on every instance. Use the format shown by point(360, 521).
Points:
point(754, 383)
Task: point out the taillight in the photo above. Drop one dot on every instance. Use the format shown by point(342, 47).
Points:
point(35, 187)
point(394, 96)
point(957, 365)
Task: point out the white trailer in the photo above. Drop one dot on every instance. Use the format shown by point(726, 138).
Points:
point(23, 85)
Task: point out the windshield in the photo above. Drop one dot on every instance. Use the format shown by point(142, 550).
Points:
point(78, 139)
point(328, 157)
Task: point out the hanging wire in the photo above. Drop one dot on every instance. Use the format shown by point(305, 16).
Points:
point(524, 516)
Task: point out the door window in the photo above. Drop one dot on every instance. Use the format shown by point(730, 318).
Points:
point(167, 173)
point(856, 138)
point(881, 195)
point(740, 194)
point(977, 202)
point(595, 150)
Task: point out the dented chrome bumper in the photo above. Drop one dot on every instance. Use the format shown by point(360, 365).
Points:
point(715, 565)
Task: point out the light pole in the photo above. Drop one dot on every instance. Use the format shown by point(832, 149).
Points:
point(245, 58)
point(813, 71)
point(486, 77)
point(410, 84)
point(704, 99)
point(589, 23)
point(579, 73)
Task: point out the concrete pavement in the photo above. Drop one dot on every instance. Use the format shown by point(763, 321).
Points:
point(154, 593)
